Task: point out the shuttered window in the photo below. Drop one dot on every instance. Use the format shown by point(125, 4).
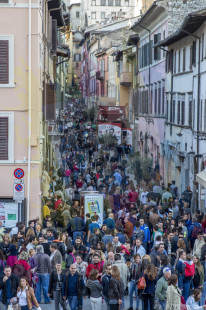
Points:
point(4, 1)
point(4, 121)
point(50, 102)
point(4, 62)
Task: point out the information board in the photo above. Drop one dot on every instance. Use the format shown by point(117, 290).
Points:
point(94, 205)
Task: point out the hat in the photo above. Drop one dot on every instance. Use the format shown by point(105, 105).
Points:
point(23, 255)
point(166, 269)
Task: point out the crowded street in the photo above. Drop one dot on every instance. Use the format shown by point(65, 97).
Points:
point(102, 155)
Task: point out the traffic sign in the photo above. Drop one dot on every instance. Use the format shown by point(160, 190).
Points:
point(16, 181)
point(19, 173)
point(18, 192)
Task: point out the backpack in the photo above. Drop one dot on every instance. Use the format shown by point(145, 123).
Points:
point(189, 269)
point(67, 172)
point(195, 231)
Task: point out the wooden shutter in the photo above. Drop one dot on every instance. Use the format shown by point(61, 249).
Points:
point(50, 102)
point(54, 37)
point(4, 123)
point(4, 62)
point(4, 1)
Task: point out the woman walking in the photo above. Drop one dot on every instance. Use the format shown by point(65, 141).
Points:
point(149, 292)
point(95, 288)
point(173, 294)
point(25, 295)
point(116, 289)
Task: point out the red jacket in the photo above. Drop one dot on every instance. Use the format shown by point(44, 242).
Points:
point(93, 266)
point(133, 196)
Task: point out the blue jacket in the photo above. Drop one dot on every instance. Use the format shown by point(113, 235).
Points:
point(150, 286)
point(145, 228)
point(110, 223)
point(105, 283)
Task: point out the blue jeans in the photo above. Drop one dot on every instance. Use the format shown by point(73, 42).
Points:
point(107, 302)
point(132, 289)
point(73, 302)
point(24, 308)
point(7, 303)
point(77, 234)
point(202, 299)
point(163, 304)
point(186, 290)
point(44, 283)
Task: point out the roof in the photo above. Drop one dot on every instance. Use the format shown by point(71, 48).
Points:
point(148, 18)
point(190, 24)
point(56, 11)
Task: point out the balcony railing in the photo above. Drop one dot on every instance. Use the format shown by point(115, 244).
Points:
point(100, 75)
point(126, 79)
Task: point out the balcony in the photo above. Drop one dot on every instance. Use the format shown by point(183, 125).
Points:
point(126, 79)
point(100, 75)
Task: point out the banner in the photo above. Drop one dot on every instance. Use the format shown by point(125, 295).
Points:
point(9, 214)
point(111, 128)
point(127, 136)
point(94, 205)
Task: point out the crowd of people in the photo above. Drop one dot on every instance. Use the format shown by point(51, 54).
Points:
point(149, 247)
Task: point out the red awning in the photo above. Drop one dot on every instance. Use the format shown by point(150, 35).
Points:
point(111, 113)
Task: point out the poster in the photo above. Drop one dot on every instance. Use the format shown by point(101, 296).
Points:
point(127, 136)
point(9, 213)
point(111, 128)
point(94, 204)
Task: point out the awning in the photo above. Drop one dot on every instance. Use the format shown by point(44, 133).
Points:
point(112, 113)
point(201, 178)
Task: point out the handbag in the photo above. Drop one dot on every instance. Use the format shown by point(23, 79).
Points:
point(141, 285)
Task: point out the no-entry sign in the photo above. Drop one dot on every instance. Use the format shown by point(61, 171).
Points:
point(18, 173)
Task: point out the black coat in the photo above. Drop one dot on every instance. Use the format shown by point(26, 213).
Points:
point(53, 281)
point(14, 282)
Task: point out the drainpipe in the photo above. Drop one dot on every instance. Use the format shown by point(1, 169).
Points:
point(29, 116)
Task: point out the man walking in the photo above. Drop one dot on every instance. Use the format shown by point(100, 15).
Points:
point(43, 270)
point(161, 288)
point(8, 284)
point(72, 287)
point(55, 257)
point(76, 226)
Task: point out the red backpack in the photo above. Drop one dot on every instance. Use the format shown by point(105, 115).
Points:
point(189, 269)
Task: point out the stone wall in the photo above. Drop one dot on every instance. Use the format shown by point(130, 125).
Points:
point(178, 10)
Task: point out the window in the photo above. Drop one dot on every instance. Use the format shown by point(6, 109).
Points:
point(163, 97)
point(77, 14)
point(184, 60)
point(179, 60)
point(203, 43)
point(173, 109)
point(103, 2)
point(126, 2)
point(178, 111)
point(183, 111)
point(6, 136)
point(194, 53)
point(157, 50)
point(205, 116)
point(201, 115)
point(117, 2)
point(175, 62)
point(151, 98)
point(190, 57)
point(167, 108)
point(155, 98)
point(159, 98)
point(110, 2)
point(77, 57)
point(146, 54)
point(94, 2)
point(93, 15)
point(4, 1)
point(6, 61)
point(190, 111)
point(107, 63)
point(102, 15)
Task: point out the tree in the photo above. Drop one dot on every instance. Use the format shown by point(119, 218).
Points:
point(92, 114)
point(141, 167)
point(107, 139)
